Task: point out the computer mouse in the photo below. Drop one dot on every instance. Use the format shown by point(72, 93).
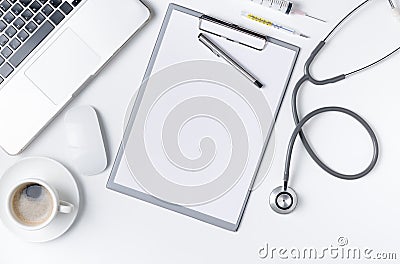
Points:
point(85, 140)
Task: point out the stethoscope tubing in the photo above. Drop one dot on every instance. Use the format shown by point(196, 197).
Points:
point(299, 132)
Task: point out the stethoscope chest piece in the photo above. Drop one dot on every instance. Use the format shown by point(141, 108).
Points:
point(283, 201)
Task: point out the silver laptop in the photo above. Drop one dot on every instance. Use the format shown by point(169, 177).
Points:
point(49, 50)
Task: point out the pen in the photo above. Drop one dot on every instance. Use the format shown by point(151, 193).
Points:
point(272, 24)
point(220, 53)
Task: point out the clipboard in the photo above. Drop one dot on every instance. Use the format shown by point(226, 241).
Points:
point(197, 131)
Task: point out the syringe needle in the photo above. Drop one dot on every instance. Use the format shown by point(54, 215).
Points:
point(304, 36)
point(319, 19)
point(302, 13)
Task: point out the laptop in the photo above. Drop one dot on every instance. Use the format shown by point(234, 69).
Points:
point(49, 51)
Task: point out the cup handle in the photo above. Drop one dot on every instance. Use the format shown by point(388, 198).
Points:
point(65, 207)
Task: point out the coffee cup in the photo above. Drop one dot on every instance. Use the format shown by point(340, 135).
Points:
point(33, 204)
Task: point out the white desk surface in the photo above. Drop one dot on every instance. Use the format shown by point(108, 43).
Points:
point(113, 228)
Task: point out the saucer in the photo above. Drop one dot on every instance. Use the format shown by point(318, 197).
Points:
point(55, 175)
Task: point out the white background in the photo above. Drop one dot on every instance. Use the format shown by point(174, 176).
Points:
point(113, 228)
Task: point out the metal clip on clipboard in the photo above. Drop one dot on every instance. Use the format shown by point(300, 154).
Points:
point(232, 32)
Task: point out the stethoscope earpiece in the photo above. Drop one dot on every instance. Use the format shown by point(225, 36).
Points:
point(283, 201)
point(396, 13)
point(396, 10)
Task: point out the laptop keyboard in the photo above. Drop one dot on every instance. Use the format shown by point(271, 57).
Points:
point(24, 24)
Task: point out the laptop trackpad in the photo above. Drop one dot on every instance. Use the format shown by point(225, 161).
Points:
point(63, 67)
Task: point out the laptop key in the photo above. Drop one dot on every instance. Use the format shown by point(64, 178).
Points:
point(31, 26)
point(76, 2)
point(39, 18)
point(2, 60)
point(9, 17)
point(47, 10)
point(66, 8)
point(3, 40)
point(11, 31)
point(6, 70)
point(23, 35)
point(25, 2)
point(35, 6)
point(3, 25)
point(15, 43)
point(6, 52)
point(43, 1)
point(19, 23)
point(5, 5)
point(27, 14)
point(17, 9)
point(57, 17)
point(18, 57)
point(55, 3)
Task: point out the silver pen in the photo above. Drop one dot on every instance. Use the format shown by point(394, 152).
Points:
point(220, 53)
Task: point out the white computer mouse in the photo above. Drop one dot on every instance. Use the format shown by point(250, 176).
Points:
point(85, 140)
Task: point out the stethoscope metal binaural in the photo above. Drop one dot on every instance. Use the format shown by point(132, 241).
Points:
point(283, 199)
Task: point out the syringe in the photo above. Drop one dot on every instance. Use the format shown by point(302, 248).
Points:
point(283, 6)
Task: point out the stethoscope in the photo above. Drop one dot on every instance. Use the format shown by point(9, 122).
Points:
point(283, 199)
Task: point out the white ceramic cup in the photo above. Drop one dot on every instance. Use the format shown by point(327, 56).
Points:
point(57, 205)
